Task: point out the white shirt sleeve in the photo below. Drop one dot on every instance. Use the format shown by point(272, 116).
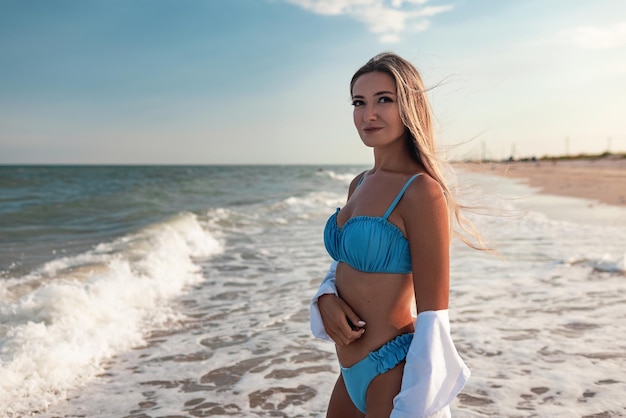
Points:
point(434, 373)
point(328, 286)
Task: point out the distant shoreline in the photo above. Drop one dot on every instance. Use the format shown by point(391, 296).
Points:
point(601, 178)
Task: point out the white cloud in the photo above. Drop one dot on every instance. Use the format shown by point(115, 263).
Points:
point(598, 38)
point(331, 7)
point(389, 19)
point(398, 3)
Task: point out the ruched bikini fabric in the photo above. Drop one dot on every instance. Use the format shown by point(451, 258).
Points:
point(370, 244)
point(359, 376)
point(392, 353)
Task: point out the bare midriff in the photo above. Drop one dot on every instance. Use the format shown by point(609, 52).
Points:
point(383, 301)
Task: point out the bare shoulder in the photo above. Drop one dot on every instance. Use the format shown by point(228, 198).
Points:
point(355, 181)
point(424, 187)
point(424, 194)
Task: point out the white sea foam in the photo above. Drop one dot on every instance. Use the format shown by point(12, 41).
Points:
point(100, 303)
point(609, 264)
point(291, 209)
point(343, 177)
point(312, 204)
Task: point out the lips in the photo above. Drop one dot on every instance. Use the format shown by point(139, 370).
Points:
point(372, 129)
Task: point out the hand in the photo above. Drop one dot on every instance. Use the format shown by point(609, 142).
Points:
point(340, 321)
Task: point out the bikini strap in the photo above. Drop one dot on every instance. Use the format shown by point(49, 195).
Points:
point(361, 179)
point(399, 196)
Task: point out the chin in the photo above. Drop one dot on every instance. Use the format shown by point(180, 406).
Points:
point(372, 143)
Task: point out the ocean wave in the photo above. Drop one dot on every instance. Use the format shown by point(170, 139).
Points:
point(253, 220)
point(64, 320)
point(343, 177)
point(311, 202)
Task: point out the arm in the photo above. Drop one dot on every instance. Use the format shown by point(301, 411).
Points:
point(331, 316)
point(327, 287)
point(433, 373)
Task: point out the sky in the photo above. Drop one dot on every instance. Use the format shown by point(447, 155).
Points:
point(267, 81)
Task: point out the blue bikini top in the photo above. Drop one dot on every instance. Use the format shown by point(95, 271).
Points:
point(370, 244)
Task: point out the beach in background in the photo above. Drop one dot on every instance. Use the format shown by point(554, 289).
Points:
point(600, 178)
point(183, 291)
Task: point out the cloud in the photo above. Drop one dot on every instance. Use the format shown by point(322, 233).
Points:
point(598, 38)
point(389, 19)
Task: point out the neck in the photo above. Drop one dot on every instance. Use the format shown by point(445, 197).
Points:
point(394, 158)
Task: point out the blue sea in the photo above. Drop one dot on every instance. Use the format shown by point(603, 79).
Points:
point(183, 291)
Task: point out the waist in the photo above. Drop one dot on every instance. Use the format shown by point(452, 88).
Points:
point(373, 338)
point(348, 272)
point(395, 348)
point(372, 267)
point(383, 301)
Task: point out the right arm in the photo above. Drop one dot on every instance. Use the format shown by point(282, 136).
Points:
point(331, 317)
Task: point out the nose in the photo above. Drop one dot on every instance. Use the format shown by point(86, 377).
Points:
point(369, 113)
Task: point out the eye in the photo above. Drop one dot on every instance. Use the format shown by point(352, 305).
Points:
point(357, 103)
point(385, 99)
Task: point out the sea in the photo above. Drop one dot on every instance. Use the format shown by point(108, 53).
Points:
point(183, 291)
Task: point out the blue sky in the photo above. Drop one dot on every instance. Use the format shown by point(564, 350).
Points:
point(266, 81)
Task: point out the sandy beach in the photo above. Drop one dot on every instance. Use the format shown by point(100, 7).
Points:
point(602, 179)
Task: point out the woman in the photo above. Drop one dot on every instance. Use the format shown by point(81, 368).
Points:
point(390, 243)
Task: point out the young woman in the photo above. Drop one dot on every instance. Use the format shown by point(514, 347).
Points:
point(390, 243)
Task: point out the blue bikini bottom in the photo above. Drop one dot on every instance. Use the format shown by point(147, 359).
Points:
point(358, 377)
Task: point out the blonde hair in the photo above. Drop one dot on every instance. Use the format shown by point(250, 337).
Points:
point(416, 115)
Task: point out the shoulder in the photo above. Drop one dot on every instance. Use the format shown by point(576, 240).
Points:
point(355, 182)
point(424, 194)
point(424, 211)
point(424, 187)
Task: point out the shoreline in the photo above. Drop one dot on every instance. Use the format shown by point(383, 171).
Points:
point(600, 179)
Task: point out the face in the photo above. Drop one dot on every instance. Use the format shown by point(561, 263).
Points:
point(376, 111)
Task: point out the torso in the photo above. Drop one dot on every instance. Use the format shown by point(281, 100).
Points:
point(382, 300)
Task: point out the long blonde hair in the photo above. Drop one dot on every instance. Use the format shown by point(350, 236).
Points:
point(416, 115)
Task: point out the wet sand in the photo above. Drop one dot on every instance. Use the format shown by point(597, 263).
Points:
point(601, 179)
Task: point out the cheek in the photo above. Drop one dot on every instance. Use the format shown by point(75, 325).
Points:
point(393, 118)
point(400, 124)
point(399, 120)
point(355, 116)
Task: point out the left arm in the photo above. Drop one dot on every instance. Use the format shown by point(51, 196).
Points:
point(433, 373)
point(426, 221)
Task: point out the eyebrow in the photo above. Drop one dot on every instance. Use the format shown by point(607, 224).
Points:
point(380, 93)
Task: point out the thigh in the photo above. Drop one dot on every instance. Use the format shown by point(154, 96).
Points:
point(340, 405)
point(382, 390)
